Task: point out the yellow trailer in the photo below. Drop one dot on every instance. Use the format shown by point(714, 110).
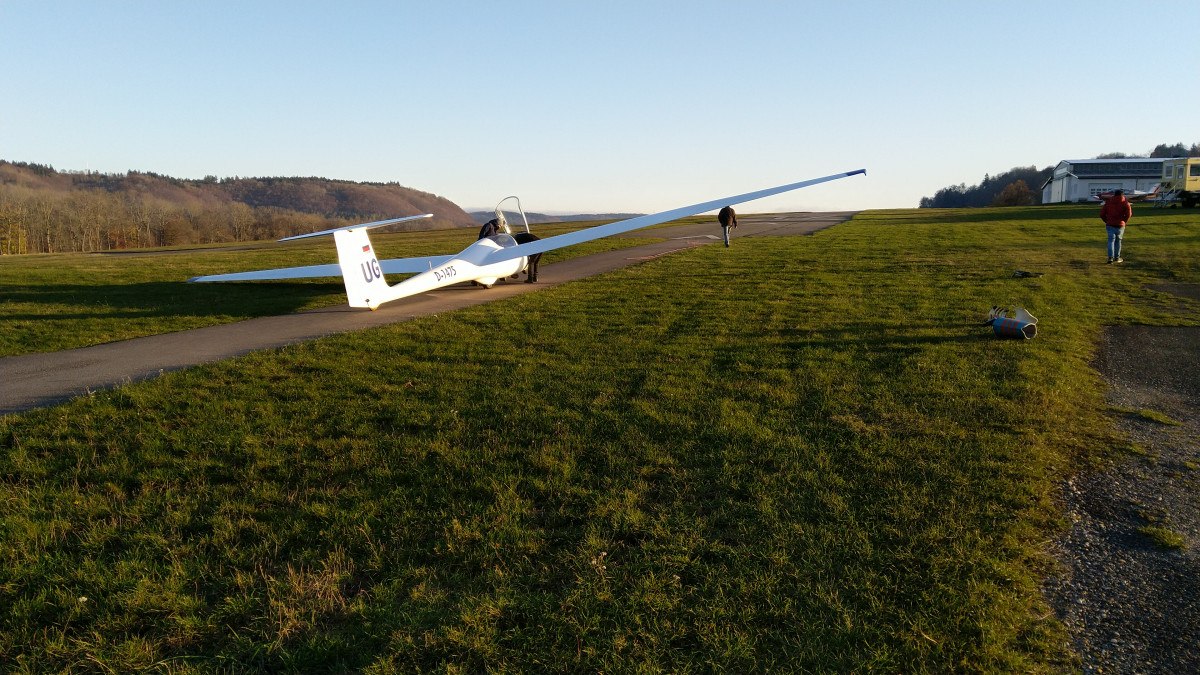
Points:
point(1181, 180)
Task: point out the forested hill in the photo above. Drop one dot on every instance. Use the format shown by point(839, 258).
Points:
point(44, 210)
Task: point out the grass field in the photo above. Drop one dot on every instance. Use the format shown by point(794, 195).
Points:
point(792, 454)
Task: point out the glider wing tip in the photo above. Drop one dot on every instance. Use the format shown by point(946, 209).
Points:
point(369, 226)
point(857, 171)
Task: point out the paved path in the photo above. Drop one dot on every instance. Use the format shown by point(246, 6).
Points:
point(37, 380)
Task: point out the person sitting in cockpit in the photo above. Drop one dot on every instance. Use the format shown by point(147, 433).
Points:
point(489, 229)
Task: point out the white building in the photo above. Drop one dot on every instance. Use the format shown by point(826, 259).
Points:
point(1078, 180)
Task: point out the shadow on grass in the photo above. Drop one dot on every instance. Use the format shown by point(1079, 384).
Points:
point(869, 336)
point(886, 346)
point(987, 215)
point(880, 341)
point(165, 299)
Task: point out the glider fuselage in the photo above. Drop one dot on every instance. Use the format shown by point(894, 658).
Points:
point(469, 265)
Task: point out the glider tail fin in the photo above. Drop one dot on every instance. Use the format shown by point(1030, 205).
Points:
point(365, 284)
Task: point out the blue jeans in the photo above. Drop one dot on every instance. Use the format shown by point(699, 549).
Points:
point(1114, 241)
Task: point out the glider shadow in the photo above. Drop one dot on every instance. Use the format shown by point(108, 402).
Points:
point(168, 299)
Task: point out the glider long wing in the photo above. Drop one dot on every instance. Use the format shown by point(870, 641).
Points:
point(423, 264)
point(628, 225)
point(393, 266)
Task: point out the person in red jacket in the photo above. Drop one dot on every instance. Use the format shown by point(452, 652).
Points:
point(1115, 213)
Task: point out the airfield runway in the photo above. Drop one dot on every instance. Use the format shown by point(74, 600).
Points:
point(38, 380)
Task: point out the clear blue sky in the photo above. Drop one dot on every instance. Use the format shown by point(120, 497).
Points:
point(597, 106)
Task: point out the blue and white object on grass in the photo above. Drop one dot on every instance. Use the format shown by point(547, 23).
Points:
point(1021, 325)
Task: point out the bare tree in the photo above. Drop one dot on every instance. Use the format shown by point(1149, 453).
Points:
point(1016, 193)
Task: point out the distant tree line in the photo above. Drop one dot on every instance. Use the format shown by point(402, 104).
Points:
point(1010, 188)
point(1161, 150)
point(97, 221)
point(1021, 186)
point(46, 211)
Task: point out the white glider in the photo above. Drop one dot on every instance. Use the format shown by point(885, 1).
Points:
point(484, 261)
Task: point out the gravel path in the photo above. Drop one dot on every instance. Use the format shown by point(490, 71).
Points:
point(1130, 604)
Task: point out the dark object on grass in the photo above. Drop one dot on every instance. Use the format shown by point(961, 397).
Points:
point(1022, 274)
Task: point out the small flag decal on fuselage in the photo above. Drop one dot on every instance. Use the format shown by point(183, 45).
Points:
point(366, 248)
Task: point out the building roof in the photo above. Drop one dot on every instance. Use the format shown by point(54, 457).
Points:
point(1118, 160)
point(1140, 167)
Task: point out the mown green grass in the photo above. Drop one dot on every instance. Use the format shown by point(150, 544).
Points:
point(1158, 418)
point(54, 302)
point(792, 454)
point(1164, 537)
